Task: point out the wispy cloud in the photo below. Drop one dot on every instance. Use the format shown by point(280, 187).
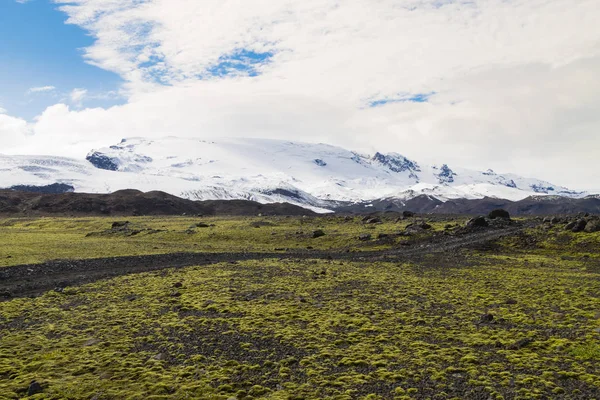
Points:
point(3, 110)
point(41, 89)
point(77, 96)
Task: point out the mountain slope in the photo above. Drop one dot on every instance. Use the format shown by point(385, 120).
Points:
point(316, 175)
point(132, 202)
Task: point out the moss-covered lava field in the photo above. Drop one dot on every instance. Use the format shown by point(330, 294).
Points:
point(514, 316)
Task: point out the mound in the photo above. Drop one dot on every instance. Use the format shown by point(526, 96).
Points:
point(133, 202)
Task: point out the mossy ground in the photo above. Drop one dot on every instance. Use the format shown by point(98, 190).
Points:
point(291, 329)
point(26, 241)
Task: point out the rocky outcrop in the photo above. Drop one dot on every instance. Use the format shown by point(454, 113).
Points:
point(446, 175)
point(102, 161)
point(55, 188)
point(398, 163)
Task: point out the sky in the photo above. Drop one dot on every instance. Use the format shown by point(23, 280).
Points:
point(510, 85)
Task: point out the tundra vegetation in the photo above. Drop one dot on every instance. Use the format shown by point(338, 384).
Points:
point(515, 318)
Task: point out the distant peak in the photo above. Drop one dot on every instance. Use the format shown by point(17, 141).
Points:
point(446, 175)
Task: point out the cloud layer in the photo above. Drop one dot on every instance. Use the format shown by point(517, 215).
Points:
point(504, 84)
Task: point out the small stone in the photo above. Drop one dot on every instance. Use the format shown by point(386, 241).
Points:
point(424, 225)
point(364, 237)
point(178, 285)
point(34, 388)
point(520, 344)
point(91, 342)
point(318, 233)
point(486, 318)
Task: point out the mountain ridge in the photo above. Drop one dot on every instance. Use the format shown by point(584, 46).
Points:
point(318, 176)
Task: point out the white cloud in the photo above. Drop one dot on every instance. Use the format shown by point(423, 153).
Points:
point(41, 89)
point(515, 80)
point(14, 133)
point(3, 110)
point(77, 95)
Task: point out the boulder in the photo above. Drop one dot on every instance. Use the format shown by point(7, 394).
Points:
point(499, 213)
point(570, 225)
point(592, 226)
point(364, 237)
point(424, 225)
point(477, 222)
point(579, 225)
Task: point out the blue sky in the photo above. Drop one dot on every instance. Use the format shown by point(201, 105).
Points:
point(38, 49)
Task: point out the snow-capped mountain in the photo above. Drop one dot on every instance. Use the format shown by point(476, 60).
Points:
point(314, 175)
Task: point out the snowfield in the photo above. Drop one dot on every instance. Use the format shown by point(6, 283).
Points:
point(307, 174)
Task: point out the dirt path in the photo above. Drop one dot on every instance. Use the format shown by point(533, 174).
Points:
point(30, 280)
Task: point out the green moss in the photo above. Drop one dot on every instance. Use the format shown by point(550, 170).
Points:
point(268, 329)
point(28, 240)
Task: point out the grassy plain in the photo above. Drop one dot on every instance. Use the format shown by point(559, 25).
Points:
point(37, 240)
point(519, 319)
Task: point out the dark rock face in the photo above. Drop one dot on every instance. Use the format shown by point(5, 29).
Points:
point(542, 189)
point(320, 162)
point(364, 237)
point(398, 163)
point(102, 161)
point(55, 188)
point(499, 213)
point(283, 192)
point(446, 175)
